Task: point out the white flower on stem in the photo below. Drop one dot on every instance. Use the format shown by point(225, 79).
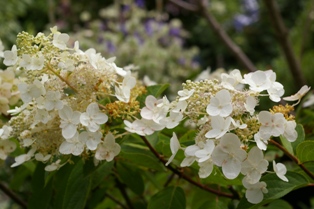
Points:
point(123, 92)
point(148, 82)
point(93, 117)
point(30, 91)
point(190, 157)
point(74, 145)
point(69, 121)
point(298, 96)
point(271, 124)
point(92, 139)
point(261, 142)
point(10, 57)
point(255, 192)
point(95, 59)
point(108, 149)
point(206, 168)
point(237, 124)
point(143, 127)
point(280, 170)
point(275, 92)
point(26, 61)
point(42, 116)
point(77, 49)
point(60, 40)
point(290, 133)
point(233, 80)
point(173, 120)
point(250, 104)
point(174, 146)
point(43, 158)
point(23, 158)
point(5, 132)
point(220, 126)
point(53, 166)
point(205, 153)
point(154, 109)
point(254, 165)
point(185, 94)
point(6, 147)
point(119, 70)
point(258, 80)
point(35, 62)
point(52, 101)
point(220, 104)
point(229, 155)
point(180, 106)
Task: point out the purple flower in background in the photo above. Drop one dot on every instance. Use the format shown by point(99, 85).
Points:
point(251, 14)
point(111, 47)
point(174, 32)
point(148, 27)
point(140, 3)
point(250, 7)
point(125, 8)
point(139, 38)
point(123, 29)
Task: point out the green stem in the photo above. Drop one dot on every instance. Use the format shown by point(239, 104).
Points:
point(61, 78)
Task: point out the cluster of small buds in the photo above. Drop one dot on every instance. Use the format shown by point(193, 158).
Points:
point(65, 94)
point(232, 135)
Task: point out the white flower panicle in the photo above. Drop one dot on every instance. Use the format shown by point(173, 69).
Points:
point(68, 98)
point(232, 134)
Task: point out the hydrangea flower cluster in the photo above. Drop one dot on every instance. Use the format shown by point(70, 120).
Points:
point(69, 96)
point(231, 134)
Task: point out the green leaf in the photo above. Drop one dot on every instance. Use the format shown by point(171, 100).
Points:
point(286, 144)
point(291, 146)
point(41, 191)
point(19, 177)
point(131, 177)
point(204, 200)
point(278, 204)
point(300, 138)
point(214, 204)
point(305, 151)
point(102, 171)
point(310, 167)
point(72, 186)
point(141, 157)
point(157, 90)
point(168, 198)
point(276, 188)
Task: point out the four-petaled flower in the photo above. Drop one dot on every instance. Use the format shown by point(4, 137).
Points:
point(60, 40)
point(255, 192)
point(93, 117)
point(220, 104)
point(108, 149)
point(280, 170)
point(69, 121)
point(229, 155)
point(254, 166)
